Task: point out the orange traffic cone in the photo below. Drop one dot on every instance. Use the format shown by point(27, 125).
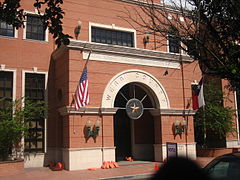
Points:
point(107, 165)
point(104, 165)
point(111, 165)
point(115, 164)
point(58, 167)
point(156, 168)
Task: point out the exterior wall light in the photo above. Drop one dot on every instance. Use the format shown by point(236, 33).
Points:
point(77, 29)
point(146, 39)
point(93, 130)
point(179, 128)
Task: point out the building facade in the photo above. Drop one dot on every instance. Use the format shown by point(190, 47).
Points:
point(125, 74)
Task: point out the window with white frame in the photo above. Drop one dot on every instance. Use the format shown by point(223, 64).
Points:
point(34, 28)
point(173, 44)
point(35, 91)
point(6, 29)
point(112, 36)
point(6, 87)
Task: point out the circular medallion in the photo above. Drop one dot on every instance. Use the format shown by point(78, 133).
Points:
point(134, 108)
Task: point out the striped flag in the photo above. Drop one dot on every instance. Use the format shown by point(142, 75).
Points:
point(81, 96)
point(197, 95)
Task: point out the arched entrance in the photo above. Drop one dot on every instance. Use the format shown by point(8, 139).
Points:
point(134, 136)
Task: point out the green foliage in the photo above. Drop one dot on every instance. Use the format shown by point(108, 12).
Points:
point(14, 120)
point(11, 13)
point(209, 31)
point(217, 38)
point(214, 118)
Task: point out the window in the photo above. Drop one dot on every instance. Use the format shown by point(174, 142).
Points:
point(106, 36)
point(34, 28)
point(6, 29)
point(6, 87)
point(35, 90)
point(174, 44)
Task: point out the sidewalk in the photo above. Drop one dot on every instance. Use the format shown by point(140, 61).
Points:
point(126, 170)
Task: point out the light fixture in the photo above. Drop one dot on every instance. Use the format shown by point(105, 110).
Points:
point(146, 39)
point(180, 127)
point(184, 125)
point(93, 130)
point(77, 29)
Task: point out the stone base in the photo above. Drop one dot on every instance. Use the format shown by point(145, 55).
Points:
point(34, 160)
point(187, 150)
point(233, 144)
point(84, 158)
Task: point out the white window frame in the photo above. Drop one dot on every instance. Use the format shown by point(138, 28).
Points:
point(36, 71)
point(15, 34)
point(113, 27)
point(14, 71)
point(25, 28)
point(168, 49)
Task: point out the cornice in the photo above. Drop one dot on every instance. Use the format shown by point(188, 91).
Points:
point(165, 7)
point(173, 112)
point(128, 51)
point(68, 110)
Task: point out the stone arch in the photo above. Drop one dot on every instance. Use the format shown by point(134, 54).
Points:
point(139, 76)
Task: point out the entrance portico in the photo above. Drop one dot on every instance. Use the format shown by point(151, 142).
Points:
point(143, 138)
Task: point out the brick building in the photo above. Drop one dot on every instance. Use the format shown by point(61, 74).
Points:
point(120, 68)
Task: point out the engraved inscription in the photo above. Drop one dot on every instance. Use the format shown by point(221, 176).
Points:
point(108, 97)
point(144, 77)
point(122, 78)
point(137, 75)
point(134, 76)
point(111, 89)
point(115, 83)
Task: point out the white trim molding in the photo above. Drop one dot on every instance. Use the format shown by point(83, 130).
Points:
point(36, 71)
point(25, 27)
point(134, 75)
point(14, 71)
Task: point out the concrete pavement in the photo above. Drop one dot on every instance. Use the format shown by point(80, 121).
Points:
point(127, 170)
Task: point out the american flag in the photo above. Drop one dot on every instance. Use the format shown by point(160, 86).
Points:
point(81, 95)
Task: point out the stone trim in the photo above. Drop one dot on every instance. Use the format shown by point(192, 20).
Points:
point(83, 149)
point(172, 112)
point(127, 51)
point(68, 110)
point(164, 7)
point(159, 94)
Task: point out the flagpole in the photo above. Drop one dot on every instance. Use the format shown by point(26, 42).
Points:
point(89, 54)
point(184, 103)
point(204, 120)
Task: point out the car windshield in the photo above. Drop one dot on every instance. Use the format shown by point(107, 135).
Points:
point(227, 168)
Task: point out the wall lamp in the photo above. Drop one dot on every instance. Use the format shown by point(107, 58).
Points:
point(146, 39)
point(93, 130)
point(180, 127)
